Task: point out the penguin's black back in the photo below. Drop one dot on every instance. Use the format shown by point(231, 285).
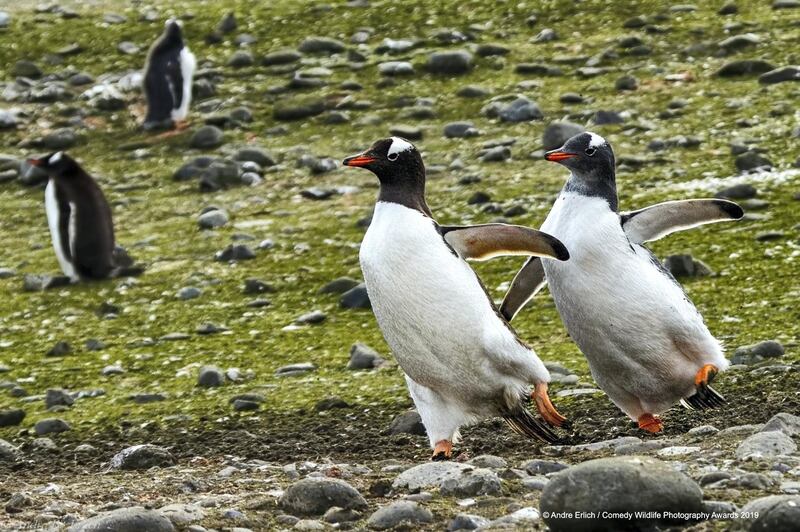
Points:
point(93, 251)
point(163, 79)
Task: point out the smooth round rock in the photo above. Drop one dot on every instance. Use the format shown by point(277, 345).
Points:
point(618, 484)
point(406, 512)
point(314, 496)
point(136, 519)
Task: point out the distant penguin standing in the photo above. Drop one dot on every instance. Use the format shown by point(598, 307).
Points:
point(461, 359)
point(646, 343)
point(168, 79)
point(80, 220)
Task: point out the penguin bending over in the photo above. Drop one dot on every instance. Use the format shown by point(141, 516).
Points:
point(462, 361)
point(646, 343)
point(167, 82)
point(81, 226)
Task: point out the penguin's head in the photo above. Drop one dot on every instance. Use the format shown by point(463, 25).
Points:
point(587, 155)
point(395, 161)
point(56, 164)
point(173, 30)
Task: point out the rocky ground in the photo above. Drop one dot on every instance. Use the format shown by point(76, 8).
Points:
point(241, 381)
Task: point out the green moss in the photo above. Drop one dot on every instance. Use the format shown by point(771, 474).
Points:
point(753, 297)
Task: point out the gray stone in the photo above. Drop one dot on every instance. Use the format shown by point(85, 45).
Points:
point(338, 286)
point(189, 292)
point(450, 62)
point(520, 110)
point(407, 423)
point(740, 191)
point(182, 514)
point(752, 354)
point(26, 69)
point(408, 513)
point(298, 109)
point(235, 252)
point(321, 45)
point(295, 369)
point(546, 35)
point(626, 83)
point(8, 453)
point(744, 67)
point(784, 422)
point(542, 467)
point(473, 91)
point(142, 456)
point(471, 483)
point(557, 133)
point(686, 266)
point(735, 43)
point(779, 75)
point(619, 484)
point(356, 298)
point(281, 57)
point(467, 522)
point(340, 515)
point(60, 139)
point(212, 219)
point(488, 461)
point(406, 131)
point(241, 59)
point(257, 286)
point(9, 418)
point(429, 475)
point(5, 19)
point(207, 138)
point(57, 397)
point(210, 376)
point(775, 512)
point(313, 317)
point(228, 23)
point(396, 68)
point(315, 496)
point(496, 154)
point(752, 160)
point(766, 445)
point(128, 48)
point(455, 130)
point(257, 155)
point(51, 426)
point(135, 519)
point(364, 357)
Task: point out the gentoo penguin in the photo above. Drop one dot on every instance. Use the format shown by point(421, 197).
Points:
point(80, 220)
point(462, 361)
point(646, 343)
point(168, 79)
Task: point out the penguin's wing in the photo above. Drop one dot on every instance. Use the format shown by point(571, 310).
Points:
point(661, 219)
point(174, 76)
point(482, 242)
point(527, 283)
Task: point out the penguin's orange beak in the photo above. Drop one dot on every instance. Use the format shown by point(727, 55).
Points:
point(556, 155)
point(359, 160)
point(35, 162)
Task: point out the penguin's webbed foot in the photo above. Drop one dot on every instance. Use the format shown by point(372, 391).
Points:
point(546, 408)
point(651, 423)
point(443, 450)
point(706, 396)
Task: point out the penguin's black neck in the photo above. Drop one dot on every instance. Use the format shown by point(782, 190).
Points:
point(598, 185)
point(413, 198)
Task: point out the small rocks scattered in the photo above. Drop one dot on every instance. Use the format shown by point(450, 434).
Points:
point(315, 496)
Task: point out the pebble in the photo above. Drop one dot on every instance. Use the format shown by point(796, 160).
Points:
point(338, 286)
point(364, 357)
point(295, 369)
point(210, 377)
point(356, 298)
point(207, 138)
point(8, 453)
point(407, 423)
point(775, 512)
point(396, 68)
point(135, 519)
point(321, 45)
point(614, 484)
point(51, 426)
point(784, 422)
point(315, 496)
point(235, 252)
point(779, 75)
point(752, 354)
point(407, 513)
point(765, 445)
point(213, 219)
point(57, 397)
point(313, 317)
point(142, 456)
point(450, 62)
point(557, 133)
point(9, 418)
point(520, 110)
point(189, 292)
point(429, 475)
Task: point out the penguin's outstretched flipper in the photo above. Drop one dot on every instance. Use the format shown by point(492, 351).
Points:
point(482, 242)
point(706, 397)
point(659, 220)
point(526, 284)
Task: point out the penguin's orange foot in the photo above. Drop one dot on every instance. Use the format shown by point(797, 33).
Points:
point(442, 451)
point(546, 408)
point(180, 125)
point(650, 423)
point(706, 396)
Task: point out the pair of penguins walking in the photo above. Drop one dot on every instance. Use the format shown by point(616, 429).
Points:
point(647, 345)
point(81, 225)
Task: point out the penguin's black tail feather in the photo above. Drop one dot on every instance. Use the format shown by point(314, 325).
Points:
point(705, 398)
point(524, 423)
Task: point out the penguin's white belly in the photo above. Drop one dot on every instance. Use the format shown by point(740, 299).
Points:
point(53, 218)
point(642, 337)
point(433, 312)
point(188, 64)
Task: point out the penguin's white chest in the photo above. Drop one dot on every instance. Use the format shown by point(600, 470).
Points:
point(188, 63)
point(429, 304)
point(62, 240)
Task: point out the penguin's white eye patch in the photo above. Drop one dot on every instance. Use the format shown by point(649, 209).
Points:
point(590, 151)
point(398, 145)
point(393, 156)
point(56, 157)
